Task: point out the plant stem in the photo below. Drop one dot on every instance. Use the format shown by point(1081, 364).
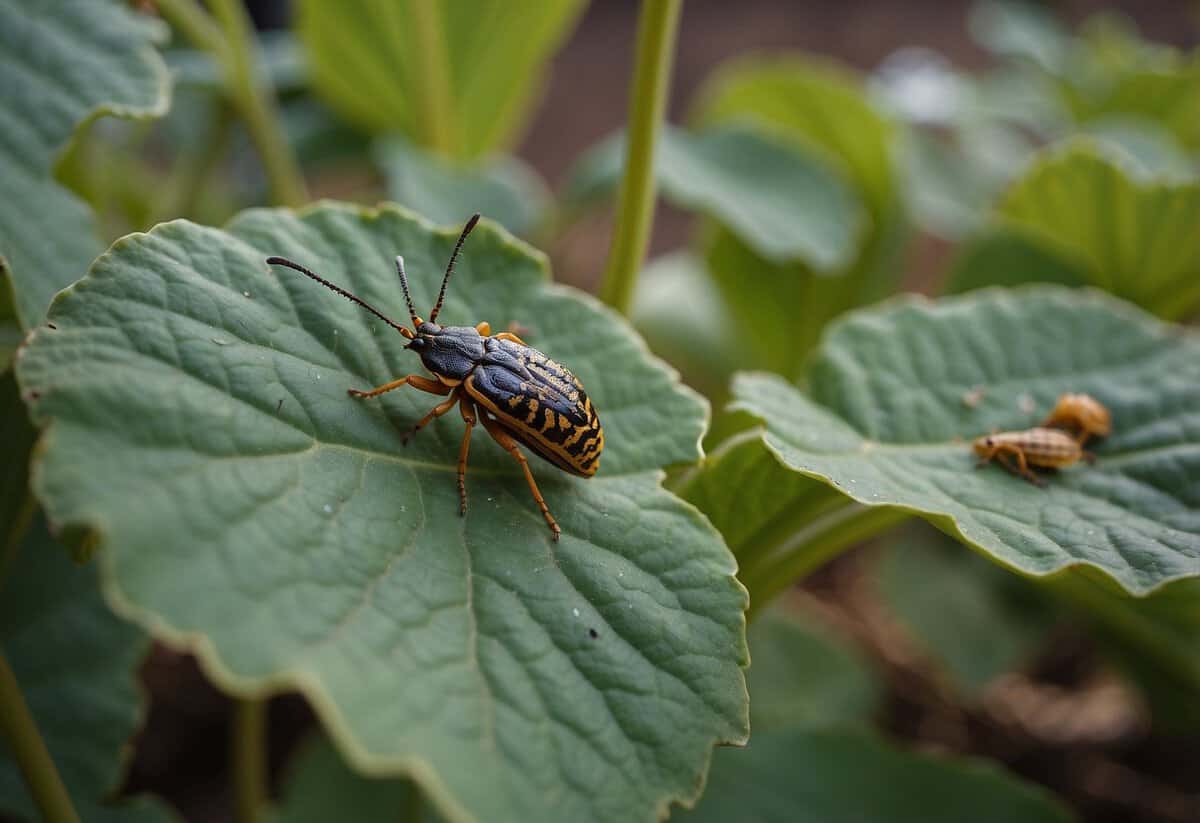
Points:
point(433, 90)
point(30, 752)
point(657, 27)
point(812, 546)
point(231, 42)
point(249, 761)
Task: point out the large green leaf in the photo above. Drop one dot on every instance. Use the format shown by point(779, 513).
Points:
point(781, 308)
point(896, 393)
point(1134, 238)
point(832, 776)
point(76, 665)
point(784, 203)
point(456, 76)
point(65, 63)
point(248, 509)
point(505, 188)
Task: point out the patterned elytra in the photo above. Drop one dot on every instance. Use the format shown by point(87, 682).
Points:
point(1048, 448)
point(517, 393)
point(541, 403)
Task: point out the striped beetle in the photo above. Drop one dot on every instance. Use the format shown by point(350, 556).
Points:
point(517, 393)
point(1045, 448)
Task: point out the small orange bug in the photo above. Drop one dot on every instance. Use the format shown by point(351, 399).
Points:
point(1041, 447)
point(1081, 413)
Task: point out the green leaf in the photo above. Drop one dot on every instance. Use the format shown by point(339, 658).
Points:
point(1020, 29)
point(1002, 256)
point(76, 664)
point(1134, 238)
point(780, 309)
point(784, 203)
point(320, 787)
point(804, 676)
point(458, 77)
point(896, 393)
point(974, 619)
point(830, 776)
point(251, 511)
point(67, 62)
point(504, 188)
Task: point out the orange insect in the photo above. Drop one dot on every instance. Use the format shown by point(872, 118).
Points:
point(1081, 413)
point(1041, 447)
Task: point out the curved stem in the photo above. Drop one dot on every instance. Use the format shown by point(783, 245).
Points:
point(33, 758)
point(433, 89)
point(657, 27)
point(812, 547)
point(249, 761)
point(231, 42)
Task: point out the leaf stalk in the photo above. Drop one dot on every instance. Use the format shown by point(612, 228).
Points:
point(29, 749)
point(658, 24)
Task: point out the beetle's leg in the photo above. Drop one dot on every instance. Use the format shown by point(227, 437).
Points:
point(1022, 468)
point(484, 328)
point(468, 416)
point(507, 335)
point(414, 380)
point(509, 445)
point(437, 411)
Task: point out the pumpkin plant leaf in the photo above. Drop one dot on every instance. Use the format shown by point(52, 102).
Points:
point(839, 776)
point(249, 510)
point(90, 58)
point(1133, 237)
point(896, 393)
point(503, 186)
point(785, 203)
point(822, 110)
point(76, 663)
point(457, 77)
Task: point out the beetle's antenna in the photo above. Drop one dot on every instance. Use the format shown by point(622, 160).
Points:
point(283, 261)
point(450, 266)
point(412, 312)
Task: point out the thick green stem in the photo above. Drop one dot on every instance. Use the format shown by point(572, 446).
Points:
point(29, 750)
point(250, 759)
point(813, 546)
point(434, 94)
point(657, 27)
point(231, 42)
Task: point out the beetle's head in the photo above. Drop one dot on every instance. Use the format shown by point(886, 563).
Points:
point(422, 339)
point(984, 445)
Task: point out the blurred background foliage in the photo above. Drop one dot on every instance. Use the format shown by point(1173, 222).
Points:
point(817, 162)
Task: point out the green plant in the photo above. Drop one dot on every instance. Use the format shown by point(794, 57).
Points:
point(173, 415)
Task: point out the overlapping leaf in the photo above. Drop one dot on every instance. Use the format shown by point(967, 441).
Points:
point(455, 76)
point(786, 204)
point(249, 509)
point(76, 665)
point(781, 308)
point(64, 62)
point(896, 393)
point(1134, 238)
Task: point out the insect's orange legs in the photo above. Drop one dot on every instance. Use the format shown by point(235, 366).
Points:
point(468, 416)
point(414, 380)
point(509, 445)
point(484, 328)
point(437, 411)
point(1022, 468)
point(505, 335)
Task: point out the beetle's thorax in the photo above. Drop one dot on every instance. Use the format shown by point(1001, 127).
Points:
point(448, 351)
